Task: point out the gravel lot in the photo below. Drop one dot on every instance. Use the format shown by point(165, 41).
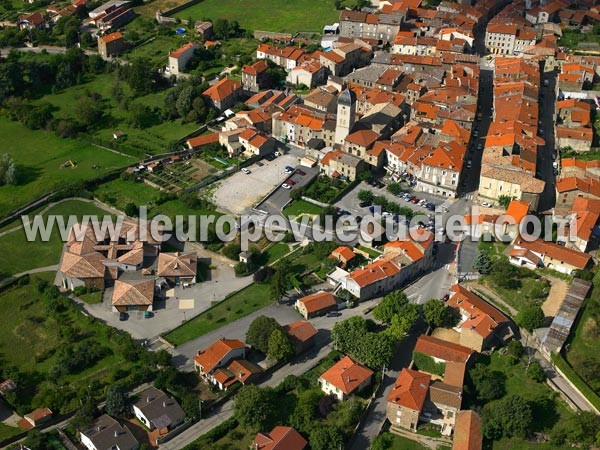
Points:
point(240, 192)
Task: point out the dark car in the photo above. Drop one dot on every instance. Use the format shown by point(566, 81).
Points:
point(430, 206)
point(364, 204)
point(123, 316)
point(290, 182)
point(300, 172)
point(333, 314)
point(270, 157)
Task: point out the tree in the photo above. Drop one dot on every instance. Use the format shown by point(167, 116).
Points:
point(376, 350)
point(536, 372)
point(88, 111)
point(117, 402)
point(483, 264)
point(510, 416)
point(324, 437)
point(140, 75)
point(530, 318)
point(163, 358)
point(403, 321)
point(437, 314)
point(140, 116)
point(131, 209)
point(514, 351)
point(280, 347)
point(260, 331)
point(279, 283)
point(384, 441)
point(8, 171)
point(326, 405)
point(489, 385)
point(36, 440)
point(253, 406)
point(394, 188)
point(390, 305)
point(347, 334)
point(578, 430)
point(306, 410)
point(365, 196)
point(191, 405)
point(504, 200)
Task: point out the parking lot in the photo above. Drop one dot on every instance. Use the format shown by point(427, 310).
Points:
point(240, 192)
point(276, 201)
point(350, 201)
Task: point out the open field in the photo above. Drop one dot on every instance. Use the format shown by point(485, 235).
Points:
point(298, 207)
point(240, 304)
point(153, 139)
point(32, 336)
point(26, 255)
point(267, 15)
point(39, 156)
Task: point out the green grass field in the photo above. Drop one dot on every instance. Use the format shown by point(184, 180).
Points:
point(39, 156)
point(153, 139)
point(276, 251)
point(30, 335)
point(7, 432)
point(267, 15)
point(25, 255)
point(240, 304)
point(298, 207)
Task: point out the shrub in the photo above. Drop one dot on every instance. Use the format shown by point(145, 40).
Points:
point(426, 363)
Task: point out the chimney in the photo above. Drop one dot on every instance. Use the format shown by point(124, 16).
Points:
point(164, 404)
point(116, 433)
point(148, 399)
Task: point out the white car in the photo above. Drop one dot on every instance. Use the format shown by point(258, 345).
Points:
point(277, 154)
point(555, 164)
point(486, 204)
point(286, 186)
point(246, 171)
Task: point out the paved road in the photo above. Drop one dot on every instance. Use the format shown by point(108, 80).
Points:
point(547, 104)
point(280, 197)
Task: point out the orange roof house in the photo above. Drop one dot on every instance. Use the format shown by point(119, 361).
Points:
point(178, 266)
point(223, 93)
point(280, 438)
point(517, 210)
point(343, 254)
point(345, 378)
point(454, 357)
point(198, 142)
point(129, 294)
point(218, 354)
point(480, 322)
point(301, 332)
point(315, 304)
point(548, 254)
point(410, 389)
point(467, 431)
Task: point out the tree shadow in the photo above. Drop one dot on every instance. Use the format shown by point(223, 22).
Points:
point(28, 174)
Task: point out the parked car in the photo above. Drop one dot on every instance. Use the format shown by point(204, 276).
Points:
point(123, 316)
point(364, 204)
point(277, 154)
point(334, 314)
point(300, 172)
point(286, 186)
point(469, 164)
point(414, 200)
point(290, 182)
point(270, 157)
point(246, 171)
point(430, 206)
point(289, 169)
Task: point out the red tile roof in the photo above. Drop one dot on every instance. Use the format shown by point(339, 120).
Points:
point(256, 68)
point(377, 270)
point(483, 318)
point(440, 349)
point(347, 375)
point(205, 139)
point(467, 431)
point(569, 256)
point(211, 356)
point(318, 301)
point(364, 138)
point(410, 389)
point(344, 253)
point(222, 89)
point(280, 438)
point(517, 210)
point(181, 50)
point(111, 37)
point(301, 331)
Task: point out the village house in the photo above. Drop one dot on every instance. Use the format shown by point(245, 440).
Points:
point(156, 410)
point(179, 58)
point(481, 326)
point(539, 253)
point(255, 76)
point(111, 44)
point(496, 181)
point(33, 21)
point(310, 74)
point(453, 357)
point(337, 164)
point(256, 142)
point(441, 170)
point(316, 304)
point(178, 268)
point(343, 255)
point(280, 438)
point(406, 399)
point(224, 94)
point(467, 431)
point(38, 417)
point(133, 295)
point(198, 142)
point(204, 29)
point(105, 433)
point(302, 334)
point(286, 57)
point(578, 139)
point(584, 216)
point(345, 378)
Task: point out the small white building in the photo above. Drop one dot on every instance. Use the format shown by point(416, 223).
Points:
point(179, 58)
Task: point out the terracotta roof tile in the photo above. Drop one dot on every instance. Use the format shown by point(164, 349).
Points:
point(410, 389)
point(318, 301)
point(212, 355)
point(347, 375)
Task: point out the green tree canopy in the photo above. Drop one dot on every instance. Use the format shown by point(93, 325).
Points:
point(260, 331)
point(508, 417)
point(530, 318)
point(253, 406)
point(437, 314)
point(280, 347)
point(391, 305)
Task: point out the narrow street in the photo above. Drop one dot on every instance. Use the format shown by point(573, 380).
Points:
point(547, 105)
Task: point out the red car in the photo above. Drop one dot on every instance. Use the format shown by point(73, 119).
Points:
point(290, 182)
point(300, 172)
point(415, 200)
